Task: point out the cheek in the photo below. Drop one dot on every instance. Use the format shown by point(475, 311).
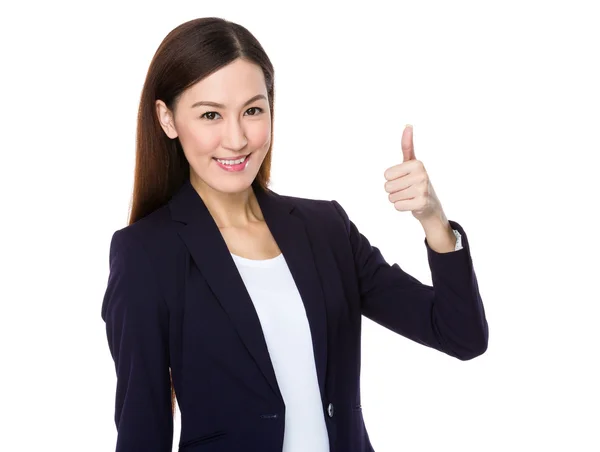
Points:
point(261, 136)
point(199, 142)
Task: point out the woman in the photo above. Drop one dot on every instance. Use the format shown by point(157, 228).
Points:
point(245, 303)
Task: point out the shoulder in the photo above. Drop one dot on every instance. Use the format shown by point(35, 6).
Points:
point(325, 213)
point(147, 228)
point(152, 244)
point(152, 236)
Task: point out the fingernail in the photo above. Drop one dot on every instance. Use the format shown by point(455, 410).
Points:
point(408, 125)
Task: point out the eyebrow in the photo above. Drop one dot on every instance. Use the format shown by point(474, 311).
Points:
point(217, 105)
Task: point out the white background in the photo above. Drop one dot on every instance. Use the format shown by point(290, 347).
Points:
point(505, 102)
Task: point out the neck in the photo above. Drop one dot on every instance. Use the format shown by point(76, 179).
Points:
point(229, 210)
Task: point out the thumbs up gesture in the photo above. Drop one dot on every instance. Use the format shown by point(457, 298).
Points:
point(408, 184)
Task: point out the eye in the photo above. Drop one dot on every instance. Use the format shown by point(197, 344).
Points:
point(205, 115)
point(255, 108)
point(212, 118)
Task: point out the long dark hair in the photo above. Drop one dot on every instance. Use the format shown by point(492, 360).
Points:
point(190, 52)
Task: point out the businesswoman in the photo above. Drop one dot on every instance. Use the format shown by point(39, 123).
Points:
point(244, 303)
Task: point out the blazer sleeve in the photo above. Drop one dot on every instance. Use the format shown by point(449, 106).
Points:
point(448, 316)
point(136, 318)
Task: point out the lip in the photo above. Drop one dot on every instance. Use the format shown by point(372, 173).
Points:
point(232, 158)
point(235, 168)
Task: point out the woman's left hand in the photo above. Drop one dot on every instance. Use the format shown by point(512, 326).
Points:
point(409, 186)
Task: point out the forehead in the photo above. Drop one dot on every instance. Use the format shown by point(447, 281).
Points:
point(231, 85)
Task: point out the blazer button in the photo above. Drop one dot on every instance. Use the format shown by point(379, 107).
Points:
point(330, 410)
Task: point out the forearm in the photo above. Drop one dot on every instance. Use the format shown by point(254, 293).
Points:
point(438, 233)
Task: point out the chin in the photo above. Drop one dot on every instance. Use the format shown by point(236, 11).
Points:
point(238, 185)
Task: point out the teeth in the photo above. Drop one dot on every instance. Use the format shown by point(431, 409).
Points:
point(231, 162)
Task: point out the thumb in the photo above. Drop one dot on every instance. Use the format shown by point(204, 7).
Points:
point(408, 148)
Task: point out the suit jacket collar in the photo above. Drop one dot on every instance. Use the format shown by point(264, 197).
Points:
point(208, 249)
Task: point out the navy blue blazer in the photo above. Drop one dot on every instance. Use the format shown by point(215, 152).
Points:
point(175, 300)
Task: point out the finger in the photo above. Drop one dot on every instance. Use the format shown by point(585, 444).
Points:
point(397, 171)
point(408, 148)
point(402, 195)
point(402, 183)
point(408, 205)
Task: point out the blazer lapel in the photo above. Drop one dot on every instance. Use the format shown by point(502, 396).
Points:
point(209, 251)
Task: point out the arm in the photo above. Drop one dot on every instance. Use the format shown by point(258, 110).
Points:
point(136, 319)
point(448, 316)
point(440, 235)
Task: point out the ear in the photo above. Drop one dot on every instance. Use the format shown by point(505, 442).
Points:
point(165, 118)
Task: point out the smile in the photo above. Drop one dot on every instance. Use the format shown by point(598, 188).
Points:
point(233, 165)
point(232, 162)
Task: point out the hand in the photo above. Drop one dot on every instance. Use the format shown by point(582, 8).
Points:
point(409, 186)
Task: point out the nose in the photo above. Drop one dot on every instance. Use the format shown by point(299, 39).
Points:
point(234, 136)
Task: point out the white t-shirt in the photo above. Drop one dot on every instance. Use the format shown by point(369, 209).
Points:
point(289, 341)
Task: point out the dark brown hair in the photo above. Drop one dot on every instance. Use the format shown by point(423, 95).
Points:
point(189, 53)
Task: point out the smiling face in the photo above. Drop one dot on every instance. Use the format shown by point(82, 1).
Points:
point(221, 120)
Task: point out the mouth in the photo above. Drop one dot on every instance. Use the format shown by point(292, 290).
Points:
point(231, 160)
point(233, 164)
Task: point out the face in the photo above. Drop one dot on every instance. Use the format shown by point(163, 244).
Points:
point(224, 125)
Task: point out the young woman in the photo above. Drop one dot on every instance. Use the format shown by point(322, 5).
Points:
point(245, 303)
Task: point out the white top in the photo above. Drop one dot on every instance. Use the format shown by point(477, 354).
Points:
point(287, 333)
